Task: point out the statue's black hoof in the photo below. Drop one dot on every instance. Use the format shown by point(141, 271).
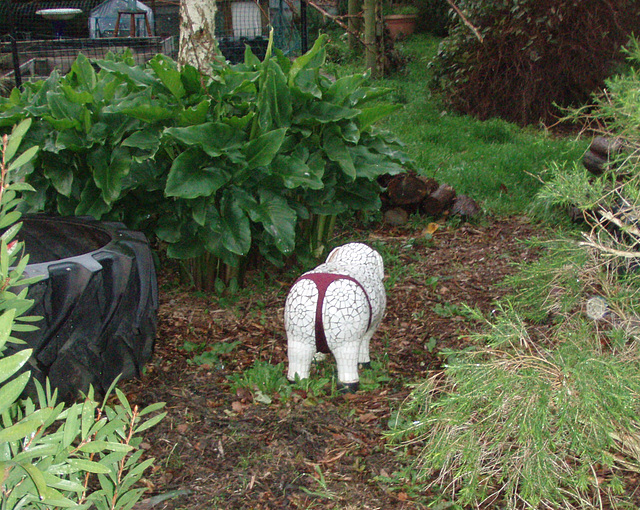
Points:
point(348, 387)
point(365, 366)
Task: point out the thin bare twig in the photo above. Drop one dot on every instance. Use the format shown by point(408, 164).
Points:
point(464, 19)
point(337, 19)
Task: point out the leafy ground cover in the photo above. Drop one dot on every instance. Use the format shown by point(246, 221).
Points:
point(249, 448)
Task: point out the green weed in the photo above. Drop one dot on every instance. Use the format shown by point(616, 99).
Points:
point(208, 354)
point(448, 310)
point(322, 490)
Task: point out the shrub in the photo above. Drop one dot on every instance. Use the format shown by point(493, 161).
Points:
point(81, 456)
point(433, 17)
point(510, 429)
point(548, 417)
point(217, 166)
point(533, 56)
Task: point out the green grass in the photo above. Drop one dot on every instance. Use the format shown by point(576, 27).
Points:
point(494, 162)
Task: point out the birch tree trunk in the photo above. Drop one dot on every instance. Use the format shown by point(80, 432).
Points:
point(198, 46)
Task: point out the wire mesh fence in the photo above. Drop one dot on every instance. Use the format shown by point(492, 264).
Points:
point(38, 36)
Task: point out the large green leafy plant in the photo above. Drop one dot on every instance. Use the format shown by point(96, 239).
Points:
point(51, 456)
point(219, 166)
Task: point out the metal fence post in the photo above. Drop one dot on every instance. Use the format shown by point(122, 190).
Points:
point(14, 51)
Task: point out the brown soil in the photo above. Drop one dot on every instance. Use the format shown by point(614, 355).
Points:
point(230, 451)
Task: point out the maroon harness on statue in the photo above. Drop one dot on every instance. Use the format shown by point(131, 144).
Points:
point(322, 281)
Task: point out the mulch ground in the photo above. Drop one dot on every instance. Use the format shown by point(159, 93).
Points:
point(223, 449)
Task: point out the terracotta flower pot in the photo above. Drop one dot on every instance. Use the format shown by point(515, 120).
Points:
point(400, 25)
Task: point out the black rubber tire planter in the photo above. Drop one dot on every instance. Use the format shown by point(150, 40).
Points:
point(98, 299)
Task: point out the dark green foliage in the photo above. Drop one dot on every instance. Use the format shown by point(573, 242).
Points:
point(222, 165)
point(534, 55)
point(434, 17)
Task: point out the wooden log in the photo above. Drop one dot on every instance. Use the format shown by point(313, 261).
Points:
point(409, 189)
point(605, 147)
point(594, 163)
point(438, 201)
point(465, 207)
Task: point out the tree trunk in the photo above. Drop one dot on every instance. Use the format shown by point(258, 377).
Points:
point(198, 46)
point(370, 39)
point(354, 23)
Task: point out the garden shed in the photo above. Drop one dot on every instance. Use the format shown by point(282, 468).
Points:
point(112, 14)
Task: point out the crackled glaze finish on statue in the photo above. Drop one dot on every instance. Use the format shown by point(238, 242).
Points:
point(336, 307)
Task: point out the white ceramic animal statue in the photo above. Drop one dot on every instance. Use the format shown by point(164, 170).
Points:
point(336, 308)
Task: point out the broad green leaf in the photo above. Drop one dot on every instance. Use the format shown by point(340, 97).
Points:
point(322, 112)
point(62, 484)
point(168, 229)
point(191, 79)
point(6, 322)
point(149, 112)
point(371, 165)
point(274, 100)
point(152, 408)
point(196, 115)
point(88, 466)
point(146, 140)
point(9, 365)
point(61, 108)
point(84, 73)
point(186, 249)
point(306, 84)
point(249, 58)
point(262, 150)
point(372, 115)
point(91, 202)
point(17, 134)
point(109, 170)
point(341, 90)
point(100, 446)
point(336, 150)
point(24, 158)
point(278, 218)
point(24, 428)
point(314, 58)
point(187, 178)
point(76, 96)
point(167, 71)
point(215, 138)
point(141, 106)
point(235, 227)
point(61, 177)
point(38, 480)
point(151, 422)
point(136, 74)
point(365, 197)
point(71, 426)
point(69, 139)
point(296, 173)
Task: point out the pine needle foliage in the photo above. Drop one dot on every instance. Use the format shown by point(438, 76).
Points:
point(545, 413)
point(526, 429)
